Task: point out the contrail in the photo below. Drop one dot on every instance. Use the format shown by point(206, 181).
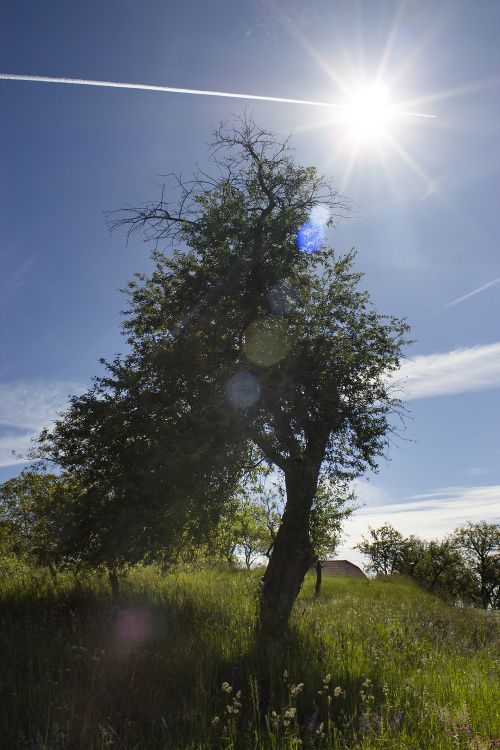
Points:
point(169, 89)
point(470, 294)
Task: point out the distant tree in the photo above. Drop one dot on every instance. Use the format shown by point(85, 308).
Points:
point(464, 566)
point(384, 549)
point(480, 546)
point(51, 520)
point(34, 517)
point(258, 524)
point(252, 333)
point(440, 566)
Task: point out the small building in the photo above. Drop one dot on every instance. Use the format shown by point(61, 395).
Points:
point(342, 568)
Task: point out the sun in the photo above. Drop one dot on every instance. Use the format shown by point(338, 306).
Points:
point(368, 112)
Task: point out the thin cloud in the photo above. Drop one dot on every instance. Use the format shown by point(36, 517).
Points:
point(470, 294)
point(433, 188)
point(459, 371)
point(27, 407)
point(17, 280)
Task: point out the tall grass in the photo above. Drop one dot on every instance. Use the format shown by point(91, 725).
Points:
point(176, 664)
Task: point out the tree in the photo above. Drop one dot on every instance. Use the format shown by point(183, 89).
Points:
point(438, 566)
point(34, 517)
point(251, 333)
point(385, 549)
point(480, 545)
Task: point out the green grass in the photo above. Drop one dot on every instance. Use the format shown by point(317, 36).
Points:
point(383, 665)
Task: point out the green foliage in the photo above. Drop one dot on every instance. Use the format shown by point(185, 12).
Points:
point(35, 517)
point(384, 550)
point(162, 443)
point(328, 512)
point(368, 665)
point(464, 566)
point(480, 546)
point(252, 523)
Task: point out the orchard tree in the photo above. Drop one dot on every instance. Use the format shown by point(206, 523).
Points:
point(384, 549)
point(438, 566)
point(34, 517)
point(249, 333)
point(480, 545)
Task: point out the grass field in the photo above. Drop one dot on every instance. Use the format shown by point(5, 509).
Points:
point(176, 664)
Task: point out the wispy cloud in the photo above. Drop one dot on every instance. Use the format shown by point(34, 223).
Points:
point(470, 294)
point(459, 371)
point(27, 407)
point(16, 280)
point(433, 188)
point(431, 515)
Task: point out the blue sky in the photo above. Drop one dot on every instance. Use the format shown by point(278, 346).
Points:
point(426, 227)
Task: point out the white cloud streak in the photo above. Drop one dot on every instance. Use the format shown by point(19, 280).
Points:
point(470, 294)
point(171, 90)
point(27, 407)
point(459, 371)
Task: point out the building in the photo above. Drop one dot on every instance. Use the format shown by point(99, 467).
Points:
point(341, 568)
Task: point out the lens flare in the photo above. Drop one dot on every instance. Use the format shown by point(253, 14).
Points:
point(309, 237)
point(242, 390)
point(133, 625)
point(320, 215)
point(266, 342)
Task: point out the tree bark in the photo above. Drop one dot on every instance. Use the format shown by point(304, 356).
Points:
point(115, 584)
point(292, 554)
point(317, 588)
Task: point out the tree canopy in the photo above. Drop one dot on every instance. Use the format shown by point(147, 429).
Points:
point(464, 566)
point(250, 338)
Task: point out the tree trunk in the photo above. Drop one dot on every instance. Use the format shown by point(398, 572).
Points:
point(317, 588)
point(292, 554)
point(115, 584)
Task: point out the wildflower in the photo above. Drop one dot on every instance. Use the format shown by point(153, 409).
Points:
point(285, 675)
point(226, 687)
point(327, 678)
point(337, 691)
point(215, 720)
point(238, 694)
point(296, 689)
point(290, 713)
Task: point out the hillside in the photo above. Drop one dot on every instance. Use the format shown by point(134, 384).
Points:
point(176, 664)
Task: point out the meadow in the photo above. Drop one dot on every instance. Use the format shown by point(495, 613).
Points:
point(175, 663)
